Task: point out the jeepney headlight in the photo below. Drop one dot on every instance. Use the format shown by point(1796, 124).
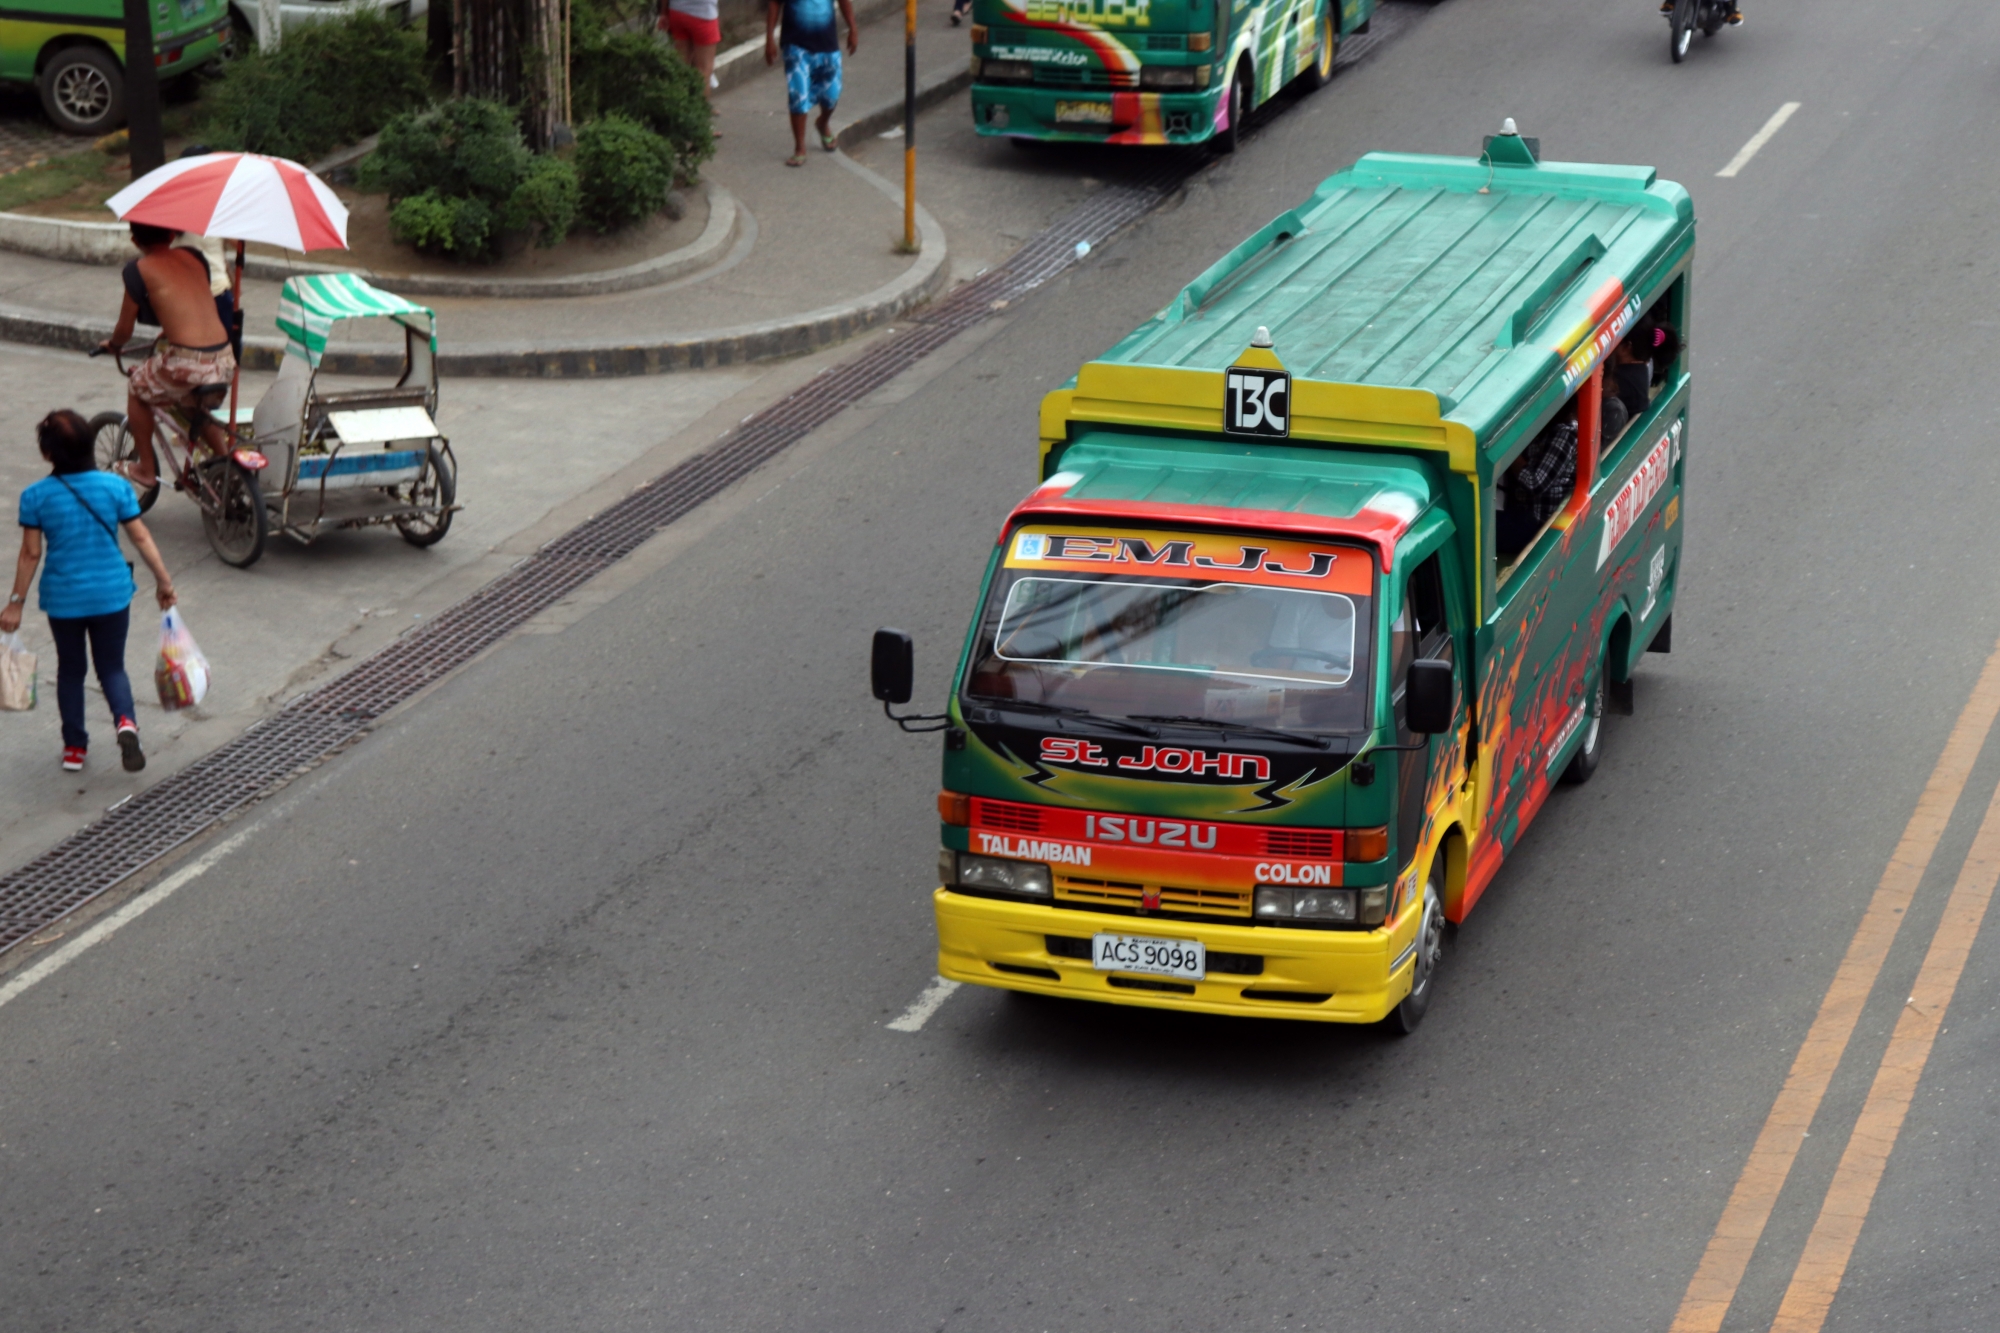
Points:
point(1028, 878)
point(1277, 902)
point(1006, 71)
point(1166, 76)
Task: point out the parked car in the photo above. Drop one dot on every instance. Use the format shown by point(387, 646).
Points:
point(73, 52)
point(250, 16)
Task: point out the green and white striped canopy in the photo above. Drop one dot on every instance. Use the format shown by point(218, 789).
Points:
point(310, 305)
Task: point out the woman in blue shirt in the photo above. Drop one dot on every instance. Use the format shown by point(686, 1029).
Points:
point(87, 588)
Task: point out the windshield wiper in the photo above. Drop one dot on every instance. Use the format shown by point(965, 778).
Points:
point(1071, 710)
point(1246, 728)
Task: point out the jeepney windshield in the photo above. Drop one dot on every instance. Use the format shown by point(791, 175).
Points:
point(1244, 645)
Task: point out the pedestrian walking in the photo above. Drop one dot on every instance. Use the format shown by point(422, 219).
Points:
point(695, 28)
point(811, 45)
point(87, 587)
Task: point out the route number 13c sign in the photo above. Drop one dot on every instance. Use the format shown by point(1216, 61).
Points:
point(1257, 402)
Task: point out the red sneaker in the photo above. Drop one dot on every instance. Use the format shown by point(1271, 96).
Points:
point(73, 758)
point(128, 745)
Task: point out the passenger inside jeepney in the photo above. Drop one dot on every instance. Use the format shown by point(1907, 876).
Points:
point(1536, 487)
point(1630, 374)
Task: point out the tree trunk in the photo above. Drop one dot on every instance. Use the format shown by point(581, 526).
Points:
point(517, 52)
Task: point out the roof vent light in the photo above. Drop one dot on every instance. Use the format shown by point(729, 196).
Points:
point(1261, 338)
point(1507, 128)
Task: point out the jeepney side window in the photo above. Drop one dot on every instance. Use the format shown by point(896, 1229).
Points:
point(1420, 629)
point(1534, 488)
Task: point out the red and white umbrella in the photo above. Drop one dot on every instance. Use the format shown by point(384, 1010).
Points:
point(239, 196)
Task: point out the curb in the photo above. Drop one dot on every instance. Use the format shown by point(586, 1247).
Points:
point(731, 346)
point(937, 86)
point(724, 223)
point(110, 243)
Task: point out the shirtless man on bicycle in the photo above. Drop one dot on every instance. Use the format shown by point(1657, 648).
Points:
point(169, 287)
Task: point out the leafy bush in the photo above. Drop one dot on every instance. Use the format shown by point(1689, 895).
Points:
point(459, 173)
point(331, 83)
point(637, 76)
point(625, 171)
point(545, 202)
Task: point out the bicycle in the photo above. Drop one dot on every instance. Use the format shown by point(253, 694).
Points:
point(224, 486)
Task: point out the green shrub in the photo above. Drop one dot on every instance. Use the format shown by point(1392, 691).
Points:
point(624, 171)
point(467, 147)
point(446, 223)
point(637, 76)
point(458, 174)
point(332, 83)
point(545, 202)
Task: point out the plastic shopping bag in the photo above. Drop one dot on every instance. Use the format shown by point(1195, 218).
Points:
point(182, 672)
point(17, 675)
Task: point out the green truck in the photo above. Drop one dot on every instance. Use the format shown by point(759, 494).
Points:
point(1261, 690)
point(1147, 71)
point(73, 53)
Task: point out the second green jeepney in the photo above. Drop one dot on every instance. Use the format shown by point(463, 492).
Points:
point(1146, 71)
point(1251, 705)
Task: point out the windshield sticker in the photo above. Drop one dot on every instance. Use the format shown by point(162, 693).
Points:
point(1640, 490)
point(1267, 561)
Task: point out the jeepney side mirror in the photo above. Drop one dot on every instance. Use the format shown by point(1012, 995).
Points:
point(892, 666)
point(1427, 699)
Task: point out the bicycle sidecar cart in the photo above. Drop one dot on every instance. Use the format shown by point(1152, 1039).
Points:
point(350, 458)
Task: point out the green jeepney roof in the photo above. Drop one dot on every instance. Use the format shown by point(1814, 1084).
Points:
point(1473, 280)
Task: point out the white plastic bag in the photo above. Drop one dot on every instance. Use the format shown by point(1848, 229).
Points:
point(17, 675)
point(181, 674)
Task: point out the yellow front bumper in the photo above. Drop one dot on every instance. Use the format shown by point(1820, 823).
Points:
point(1362, 974)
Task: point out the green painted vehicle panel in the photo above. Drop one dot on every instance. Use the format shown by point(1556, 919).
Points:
point(198, 29)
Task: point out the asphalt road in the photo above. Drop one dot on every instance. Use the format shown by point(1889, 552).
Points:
point(560, 1002)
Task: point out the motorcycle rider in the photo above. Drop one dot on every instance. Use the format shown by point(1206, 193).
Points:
point(1735, 12)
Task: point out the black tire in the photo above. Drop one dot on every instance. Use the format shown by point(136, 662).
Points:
point(83, 90)
point(1405, 1017)
point(437, 486)
point(1584, 762)
point(111, 439)
point(232, 510)
point(1239, 94)
point(1320, 71)
point(1681, 29)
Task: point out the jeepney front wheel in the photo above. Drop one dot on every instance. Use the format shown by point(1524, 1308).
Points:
point(1230, 137)
point(1405, 1017)
point(1321, 70)
point(1585, 762)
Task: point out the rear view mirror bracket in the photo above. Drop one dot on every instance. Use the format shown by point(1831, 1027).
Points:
point(891, 675)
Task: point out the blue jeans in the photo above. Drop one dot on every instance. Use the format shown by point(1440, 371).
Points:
point(106, 636)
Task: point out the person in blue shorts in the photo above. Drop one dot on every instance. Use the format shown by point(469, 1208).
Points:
point(805, 31)
point(87, 587)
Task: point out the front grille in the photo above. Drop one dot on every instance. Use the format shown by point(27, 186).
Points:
point(1318, 844)
point(1148, 983)
point(1166, 41)
point(1288, 996)
point(1070, 76)
point(1007, 815)
point(1173, 897)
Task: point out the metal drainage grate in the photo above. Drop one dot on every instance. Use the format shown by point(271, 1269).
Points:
point(317, 724)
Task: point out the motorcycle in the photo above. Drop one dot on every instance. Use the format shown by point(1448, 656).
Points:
point(1708, 15)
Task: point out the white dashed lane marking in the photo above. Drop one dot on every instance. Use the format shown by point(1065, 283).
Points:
point(928, 1003)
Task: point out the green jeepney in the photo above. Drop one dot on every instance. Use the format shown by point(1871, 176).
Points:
point(1255, 699)
point(73, 52)
point(1146, 71)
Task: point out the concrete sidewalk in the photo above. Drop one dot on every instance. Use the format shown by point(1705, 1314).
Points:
point(814, 261)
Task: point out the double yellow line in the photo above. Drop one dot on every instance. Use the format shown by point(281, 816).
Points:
point(1852, 1193)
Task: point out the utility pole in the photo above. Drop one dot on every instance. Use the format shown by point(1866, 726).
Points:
point(142, 91)
point(909, 126)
